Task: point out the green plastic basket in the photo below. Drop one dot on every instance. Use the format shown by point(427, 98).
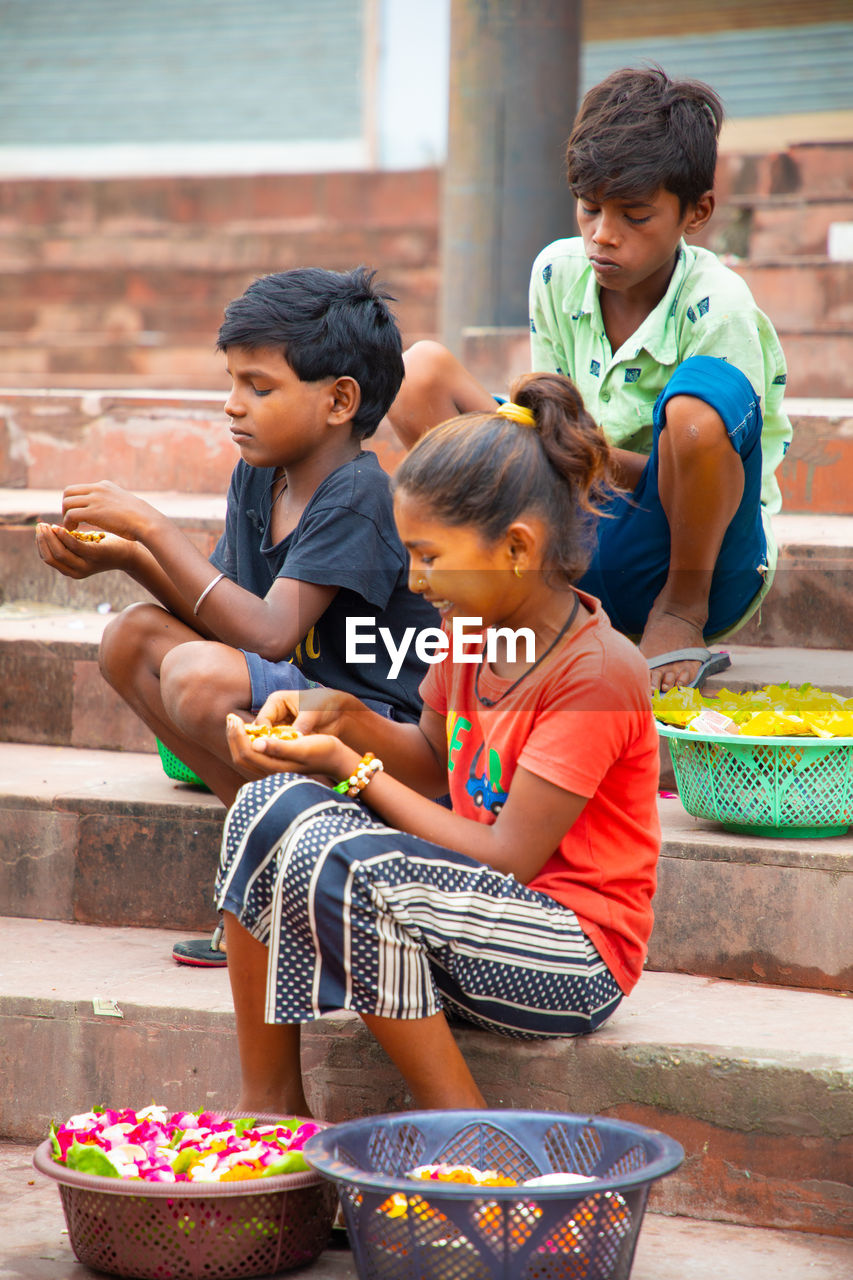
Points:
point(176, 769)
point(795, 787)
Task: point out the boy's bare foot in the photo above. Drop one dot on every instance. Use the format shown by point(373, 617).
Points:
point(665, 633)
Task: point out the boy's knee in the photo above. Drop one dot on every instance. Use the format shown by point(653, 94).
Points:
point(698, 459)
point(693, 429)
point(428, 364)
point(127, 638)
point(709, 404)
point(202, 681)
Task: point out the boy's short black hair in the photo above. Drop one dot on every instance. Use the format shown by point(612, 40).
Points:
point(326, 324)
point(639, 131)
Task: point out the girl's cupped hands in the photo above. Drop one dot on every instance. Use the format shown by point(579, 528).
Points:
point(317, 754)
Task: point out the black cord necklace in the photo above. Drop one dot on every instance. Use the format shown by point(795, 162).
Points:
point(493, 702)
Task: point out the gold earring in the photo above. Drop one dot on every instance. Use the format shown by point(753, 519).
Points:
point(518, 571)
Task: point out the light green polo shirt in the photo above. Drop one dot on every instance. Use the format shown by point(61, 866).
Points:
point(706, 310)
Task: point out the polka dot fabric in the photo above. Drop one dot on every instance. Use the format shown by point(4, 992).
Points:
point(359, 916)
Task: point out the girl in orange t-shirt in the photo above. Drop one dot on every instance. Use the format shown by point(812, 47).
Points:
point(526, 908)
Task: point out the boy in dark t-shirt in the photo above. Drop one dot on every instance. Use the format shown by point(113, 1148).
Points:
point(346, 537)
point(315, 360)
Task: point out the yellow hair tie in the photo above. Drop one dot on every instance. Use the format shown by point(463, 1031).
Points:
point(517, 413)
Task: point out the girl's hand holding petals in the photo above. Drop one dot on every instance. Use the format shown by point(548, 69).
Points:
point(281, 707)
point(257, 757)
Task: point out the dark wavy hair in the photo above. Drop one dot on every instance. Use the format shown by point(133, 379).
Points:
point(326, 324)
point(638, 131)
point(485, 470)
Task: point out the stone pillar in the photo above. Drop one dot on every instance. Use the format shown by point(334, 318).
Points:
point(513, 97)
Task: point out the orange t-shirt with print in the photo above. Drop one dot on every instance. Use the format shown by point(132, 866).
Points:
point(583, 722)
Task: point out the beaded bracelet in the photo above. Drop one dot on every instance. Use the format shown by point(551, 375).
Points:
point(364, 771)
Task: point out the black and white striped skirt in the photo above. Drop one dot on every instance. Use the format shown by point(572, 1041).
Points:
point(359, 916)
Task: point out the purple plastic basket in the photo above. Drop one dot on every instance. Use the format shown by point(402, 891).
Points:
point(186, 1230)
point(453, 1231)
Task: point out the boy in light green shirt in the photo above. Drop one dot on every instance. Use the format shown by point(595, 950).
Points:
point(675, 362)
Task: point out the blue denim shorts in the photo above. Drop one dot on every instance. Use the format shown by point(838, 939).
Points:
point(270, 677)
point(630, 561)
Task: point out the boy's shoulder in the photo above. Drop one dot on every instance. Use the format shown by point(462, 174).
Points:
point(563, 261)
point(714, 299)
point(703, 268)
point(360, 485)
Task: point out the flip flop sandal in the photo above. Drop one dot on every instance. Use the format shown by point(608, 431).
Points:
point(203, 953)
point(712, 663)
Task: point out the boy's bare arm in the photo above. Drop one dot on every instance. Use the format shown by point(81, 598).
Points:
point(163, 560)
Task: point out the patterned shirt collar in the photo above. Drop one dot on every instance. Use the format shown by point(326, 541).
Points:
point(657, 332)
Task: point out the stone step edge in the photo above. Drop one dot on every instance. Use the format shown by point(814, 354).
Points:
point(94, 815)
point(23, 506)
point(765, 1126)
point(192, 399)
point(214, 396)
point(59, 964)
point(73, 779)
point(191, 270)
point(77, 632)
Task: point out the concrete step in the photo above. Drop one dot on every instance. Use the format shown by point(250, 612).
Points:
point(774, 227)
point(32, 1226)
point(820, 363)
point(254, 247)
point(154, 440)
point(752, 908)
point(817, 474)
point(119, 359)
point(52, 692)
point(808, 293)
point(180, 441)
point(810, 604)
point(96, 836)
point(817, 169)
point(110, 829)
point(143, 206)
point(159, 303)
point(24, 576)
point(825, 167)
point(753, 1081)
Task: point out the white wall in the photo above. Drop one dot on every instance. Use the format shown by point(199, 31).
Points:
point(412, 82)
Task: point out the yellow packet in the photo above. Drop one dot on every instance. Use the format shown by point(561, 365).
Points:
point(677, 707)
point(776, 722)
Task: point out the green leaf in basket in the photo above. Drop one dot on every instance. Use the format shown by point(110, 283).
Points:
point(244, 1123)
point(184, 1159)
point(54, 1142)
point(87, 1158)
point(293, 1162)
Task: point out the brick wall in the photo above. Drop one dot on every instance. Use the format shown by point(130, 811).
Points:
point(122, 282)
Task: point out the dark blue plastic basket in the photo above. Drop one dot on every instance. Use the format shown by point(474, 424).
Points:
point(454, 1231)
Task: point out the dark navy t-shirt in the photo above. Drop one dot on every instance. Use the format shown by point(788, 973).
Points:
point(345, 538)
